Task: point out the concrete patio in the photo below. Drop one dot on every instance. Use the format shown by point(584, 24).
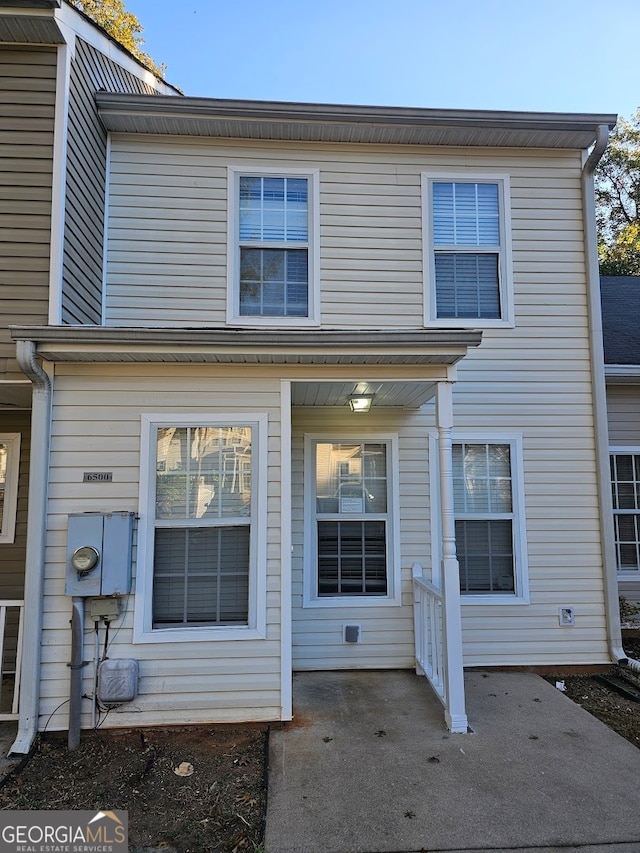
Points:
point(368, 767)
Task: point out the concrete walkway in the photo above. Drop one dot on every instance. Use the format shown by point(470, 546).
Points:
point(368, 767)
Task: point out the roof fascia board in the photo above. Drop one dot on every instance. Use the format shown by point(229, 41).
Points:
point(107, 336)
point(621, 373)
point(351, 114)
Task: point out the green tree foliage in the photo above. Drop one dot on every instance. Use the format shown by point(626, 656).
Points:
point(618, 201)
point(123, 26)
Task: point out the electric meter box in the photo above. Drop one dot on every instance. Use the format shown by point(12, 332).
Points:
point(99, 546)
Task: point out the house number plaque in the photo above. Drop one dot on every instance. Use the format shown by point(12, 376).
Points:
point(97, 477)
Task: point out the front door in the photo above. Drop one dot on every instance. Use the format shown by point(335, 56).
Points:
point(347, 592)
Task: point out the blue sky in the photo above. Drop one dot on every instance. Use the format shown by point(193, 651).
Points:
point(549, 55)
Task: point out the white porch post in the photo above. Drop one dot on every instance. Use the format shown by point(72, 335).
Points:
point(455, 713)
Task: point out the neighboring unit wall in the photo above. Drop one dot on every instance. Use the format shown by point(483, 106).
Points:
point(97, 427)
point(623, 408)
point(12, 554)
point(27, 96)
point(86, 177)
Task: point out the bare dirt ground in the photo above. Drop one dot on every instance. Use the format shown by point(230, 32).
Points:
point(618, 711)
point(219, 807)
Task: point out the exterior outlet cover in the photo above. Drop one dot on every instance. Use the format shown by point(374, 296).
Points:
point(351, 633)
point(567, 616)
point(117, 681)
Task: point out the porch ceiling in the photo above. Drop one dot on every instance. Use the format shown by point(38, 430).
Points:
point(407, 395)
point(15, 395)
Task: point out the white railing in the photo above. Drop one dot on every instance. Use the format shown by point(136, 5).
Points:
point(11, 623)
point(428, 629)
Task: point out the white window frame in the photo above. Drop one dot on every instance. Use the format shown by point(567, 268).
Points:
point(626, 450)
point(505, 260)
point(234, 318)
point(521, 569)
point(10, 505)
point(310, 580)
point(143, 632)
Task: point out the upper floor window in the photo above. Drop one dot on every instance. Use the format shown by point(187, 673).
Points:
point(9, 465)
point(468, 241)
point(272, 254)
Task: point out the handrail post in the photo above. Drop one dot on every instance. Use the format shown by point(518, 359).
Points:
point(455, 713)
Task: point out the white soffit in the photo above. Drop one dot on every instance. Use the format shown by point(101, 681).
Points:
point(210, 117)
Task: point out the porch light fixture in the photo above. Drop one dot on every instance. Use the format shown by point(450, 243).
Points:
point(360, 402)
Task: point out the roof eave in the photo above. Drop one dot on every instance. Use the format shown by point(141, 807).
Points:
point(89, 344)
point(346, 123)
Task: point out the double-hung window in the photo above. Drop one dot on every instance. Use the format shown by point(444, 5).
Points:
point(200, 537)
point(489, 518)
point(9, 465)
point(468, 241)
point(625, 488)
point(272, 254)
point(352, 520)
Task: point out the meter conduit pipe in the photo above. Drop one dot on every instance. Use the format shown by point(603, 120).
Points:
point(35, 552)
point(75, 686)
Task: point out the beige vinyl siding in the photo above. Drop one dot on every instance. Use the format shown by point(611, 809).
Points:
point(561, 525)
point(623, 407)
point(86, 176)
point(27, 105)
point(168, 236)
point(167, 265)
point(96, 426)
point(534, 380)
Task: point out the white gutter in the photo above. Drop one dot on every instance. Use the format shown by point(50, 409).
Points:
point(34, 562)
point(612, 609)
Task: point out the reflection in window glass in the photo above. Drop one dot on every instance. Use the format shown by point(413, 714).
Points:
point(352, 518)
point(482, 489)
point(203, 504)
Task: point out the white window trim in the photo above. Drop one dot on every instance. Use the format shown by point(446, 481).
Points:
point(635, 450)
point(310, 597)
point(143, 632)
point(10, 507)
point(233, 247)
point(505, 265)
point(521, 572)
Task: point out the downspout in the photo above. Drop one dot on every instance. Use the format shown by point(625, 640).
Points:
point(612, 610)
point(36, 531)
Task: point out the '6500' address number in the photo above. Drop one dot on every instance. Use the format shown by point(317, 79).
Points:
point(97, 477)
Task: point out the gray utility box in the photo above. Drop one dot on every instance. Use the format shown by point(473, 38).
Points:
point(117, 681)
point(110, 534)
